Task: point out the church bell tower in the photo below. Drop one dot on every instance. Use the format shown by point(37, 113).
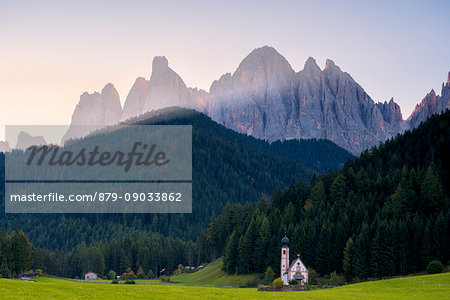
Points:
point(284, 266)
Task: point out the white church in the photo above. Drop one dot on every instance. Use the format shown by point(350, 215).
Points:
point(294, 271)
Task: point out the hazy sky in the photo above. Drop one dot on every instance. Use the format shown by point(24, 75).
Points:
point(53, 51)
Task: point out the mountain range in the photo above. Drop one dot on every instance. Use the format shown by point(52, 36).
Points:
point(267, 99)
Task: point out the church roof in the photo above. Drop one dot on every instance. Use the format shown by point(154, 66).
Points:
point(285, 240)
point(293, 263)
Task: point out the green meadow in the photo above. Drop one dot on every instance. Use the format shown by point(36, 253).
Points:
point(212, 275)
point(419, 287)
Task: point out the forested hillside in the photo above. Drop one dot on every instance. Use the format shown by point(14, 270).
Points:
point(385, 213)
point(227, 168)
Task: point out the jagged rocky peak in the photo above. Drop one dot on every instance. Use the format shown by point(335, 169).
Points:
point(93, 111)
point(311, 66)
point(135, 100)
point(427, 105)
point(391, 111)
point(444, 101)
point(330, 65)
point(159, 63)
point(263, 67)
point(333, 70)
point(446, 85)
point(222, 84)
point(311, 72)
point(4, 147)
point(166, 88)
point(25, 140)
point(424, 109)
point(431, 104)
point(199, 99)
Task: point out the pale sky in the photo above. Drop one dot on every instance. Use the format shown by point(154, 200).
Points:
point(53, 51)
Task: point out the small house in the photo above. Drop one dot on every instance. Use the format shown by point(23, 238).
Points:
point(90, 276)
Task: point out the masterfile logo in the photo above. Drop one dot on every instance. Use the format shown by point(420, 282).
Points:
point(131, 169)
point(52, 156)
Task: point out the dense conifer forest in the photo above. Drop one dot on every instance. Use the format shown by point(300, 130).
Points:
point(227, 168)
point(383, 214)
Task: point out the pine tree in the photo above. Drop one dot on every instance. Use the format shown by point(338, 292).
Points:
point(262, 244)
point(361, 253)
point(338, 189)
point(375, 256)
point(386, 265)
point(324, 245)
point(247, 243)
point(20, 254)
point(4, 270)
point(318, 194)
point(244, 256)
point(348, 260)
point(269, 275)
point(431, 189)
point(213, 236)
point(125, 262)
point(231, 254)
point(140, 273)
point(98, 265)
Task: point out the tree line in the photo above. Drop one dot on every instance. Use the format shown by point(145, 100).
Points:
point(138, 252)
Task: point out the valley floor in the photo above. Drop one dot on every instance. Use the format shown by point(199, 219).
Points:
point(419, 287)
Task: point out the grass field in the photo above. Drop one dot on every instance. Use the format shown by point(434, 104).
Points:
point(420, 287)
point(214, 276)
point(138, 281)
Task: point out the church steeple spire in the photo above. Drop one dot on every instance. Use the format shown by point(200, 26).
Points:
point(285, 241)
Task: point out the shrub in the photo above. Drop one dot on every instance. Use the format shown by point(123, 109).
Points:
point(277, 283)
point(179, 270)
point(150, 274)
point(164, 278)
point(251, 283)
point(335, 279)
point(312, 276)
point(1, 276)
point(130, 282)
point(114, 281)
point(111, 274)
point(293, 282)
point(140, 273)
point(269, 275)
point(434, 267)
